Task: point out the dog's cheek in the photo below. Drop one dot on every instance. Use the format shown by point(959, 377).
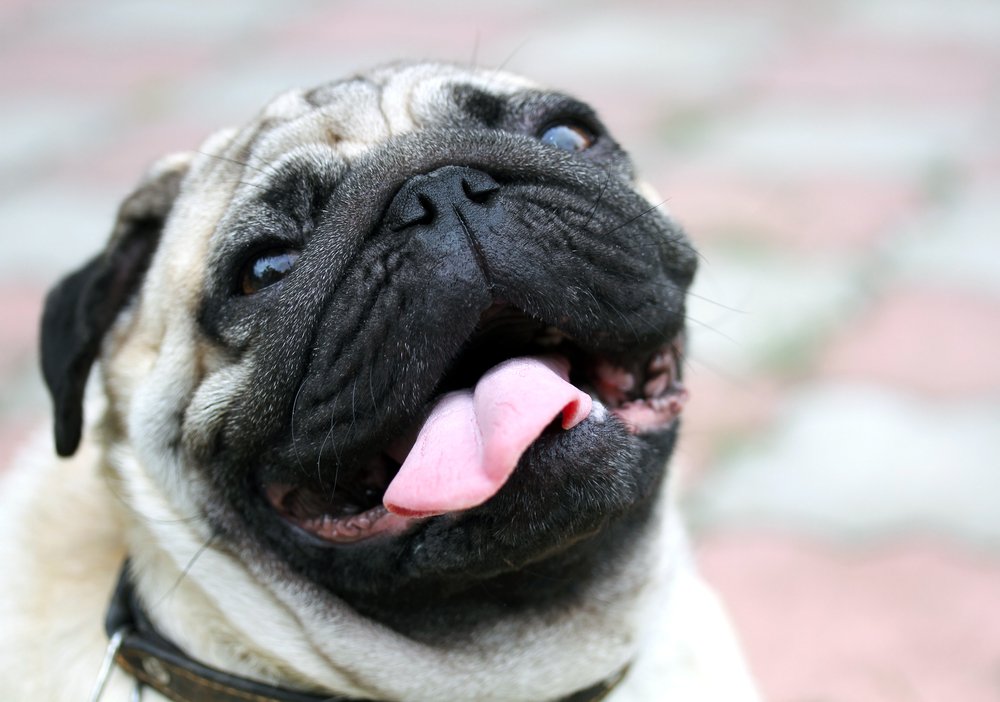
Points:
point(206, 414)
point(150, 378)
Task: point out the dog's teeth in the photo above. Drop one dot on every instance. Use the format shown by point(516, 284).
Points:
point(346, 529)
point(615, 377)
point(656, 386)
point(661, 362)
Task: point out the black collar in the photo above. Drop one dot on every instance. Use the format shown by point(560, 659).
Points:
point(155, 662)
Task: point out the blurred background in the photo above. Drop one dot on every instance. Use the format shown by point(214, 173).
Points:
point(838, 164)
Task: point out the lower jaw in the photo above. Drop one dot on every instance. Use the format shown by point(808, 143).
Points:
point(377, 521)
point(645, 415)
point(371, 523)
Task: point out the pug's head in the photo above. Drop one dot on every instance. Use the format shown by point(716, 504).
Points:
point(413, 338)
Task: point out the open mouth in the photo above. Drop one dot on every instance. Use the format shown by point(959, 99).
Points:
point(516, 380)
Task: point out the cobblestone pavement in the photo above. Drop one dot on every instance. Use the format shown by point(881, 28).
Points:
point(838, 164)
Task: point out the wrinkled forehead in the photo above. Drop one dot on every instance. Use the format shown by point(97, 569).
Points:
point(320, 130)
point(352, 115)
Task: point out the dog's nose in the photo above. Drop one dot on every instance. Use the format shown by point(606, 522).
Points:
point(426, 198)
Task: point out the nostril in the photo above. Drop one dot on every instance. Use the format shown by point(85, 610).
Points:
point(412, 209)
point(430, 211)
point(425, 199)
point(479, 190)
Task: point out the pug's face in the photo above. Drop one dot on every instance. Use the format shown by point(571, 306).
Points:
point(412, 338)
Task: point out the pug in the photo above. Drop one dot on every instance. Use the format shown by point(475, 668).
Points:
point(384, 387)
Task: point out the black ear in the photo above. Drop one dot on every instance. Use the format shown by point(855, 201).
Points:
point(84, 305)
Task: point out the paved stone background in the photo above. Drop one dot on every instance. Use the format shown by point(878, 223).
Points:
point(838, 163)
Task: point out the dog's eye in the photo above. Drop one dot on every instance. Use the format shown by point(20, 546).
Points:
point(568, 137)
point(266, 269)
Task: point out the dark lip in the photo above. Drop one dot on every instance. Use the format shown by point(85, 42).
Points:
point(368, 524)
point(646, 396)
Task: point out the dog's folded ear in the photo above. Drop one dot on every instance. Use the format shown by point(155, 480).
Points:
point(84, 305)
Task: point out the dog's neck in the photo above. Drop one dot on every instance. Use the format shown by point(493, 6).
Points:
point(138, 649)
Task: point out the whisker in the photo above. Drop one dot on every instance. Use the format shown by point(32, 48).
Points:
point(322, 447)
point(709, 327)
point(630, 220)
point(717, 303)
point(600, 196)
point(474, 62)
point(110, 483)
point(510, 57)
point(184, 573)
point(295, 442)
point(236, 162)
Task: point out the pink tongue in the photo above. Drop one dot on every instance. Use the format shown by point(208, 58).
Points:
point(473, 439)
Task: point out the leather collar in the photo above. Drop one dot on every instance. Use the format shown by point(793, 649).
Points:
point(155, 662)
